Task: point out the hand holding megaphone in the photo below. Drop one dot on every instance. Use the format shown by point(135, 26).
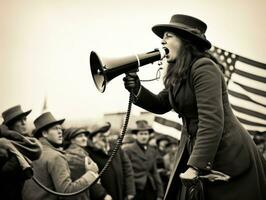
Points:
point(132, 82)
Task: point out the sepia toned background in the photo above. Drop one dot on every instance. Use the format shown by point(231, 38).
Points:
point(45, 47)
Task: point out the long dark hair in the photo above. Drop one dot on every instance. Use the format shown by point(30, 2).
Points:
point(188, 53)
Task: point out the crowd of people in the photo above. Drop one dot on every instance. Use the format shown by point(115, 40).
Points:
point(215, 159)
point(67, 160)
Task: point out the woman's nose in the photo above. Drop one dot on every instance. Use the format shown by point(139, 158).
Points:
point(163, 42)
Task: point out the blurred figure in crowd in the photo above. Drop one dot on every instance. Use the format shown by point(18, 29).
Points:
point(118, 180)
point(16, 151)
point(169, 157)
point(260, 141)
point(128, 139)
point(52, 168)
point(161, 142)
point(75, 141)
point(143, 158)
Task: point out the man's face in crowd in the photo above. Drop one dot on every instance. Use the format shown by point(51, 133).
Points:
point(143, 137)
point(20, 125)
point(54, 134)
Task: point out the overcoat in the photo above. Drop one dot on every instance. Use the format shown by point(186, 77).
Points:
point(212, 137)
point(118, 180)
point(75, 155)
point(144, 166)
point(53, 171)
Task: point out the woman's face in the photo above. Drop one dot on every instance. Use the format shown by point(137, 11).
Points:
point(80, 140)
point(173, 43)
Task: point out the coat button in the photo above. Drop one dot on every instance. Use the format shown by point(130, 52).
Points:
point(208, 167)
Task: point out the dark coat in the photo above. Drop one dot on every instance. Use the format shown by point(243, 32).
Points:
point(76, 157)
point(13, 173)
point(212, 137)
point(144, 166)
point(118, 180)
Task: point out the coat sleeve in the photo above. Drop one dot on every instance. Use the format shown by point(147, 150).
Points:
point(207, 82)
point(128, 174)
point(158, 104)
point(60, 174)
point(158, 181)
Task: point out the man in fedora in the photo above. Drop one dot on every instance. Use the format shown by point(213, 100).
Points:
point(15, 119)
point(143, 158)
point(52, 168)
point(16, 152)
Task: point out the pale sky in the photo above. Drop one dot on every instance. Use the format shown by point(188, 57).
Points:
point(45, 46)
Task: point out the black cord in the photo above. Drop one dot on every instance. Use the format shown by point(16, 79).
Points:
point(107, 164)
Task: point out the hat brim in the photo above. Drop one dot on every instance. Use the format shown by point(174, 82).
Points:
point(17, 116)
point(160, 29)
point(37, 131)
point(135, 131)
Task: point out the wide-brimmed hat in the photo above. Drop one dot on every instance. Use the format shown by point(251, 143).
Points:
point(187, 27)
point(71, 133)
point(13, 113)
point(142, 128)
point(44, 120)
point(103, 129)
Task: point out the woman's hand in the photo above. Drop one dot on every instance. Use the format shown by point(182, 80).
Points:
point(191, 173)
point(132, 82)
point(107, 197)
point(189, 177)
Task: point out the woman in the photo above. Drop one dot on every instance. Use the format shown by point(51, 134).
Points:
point(213, 145)
point(75, 141)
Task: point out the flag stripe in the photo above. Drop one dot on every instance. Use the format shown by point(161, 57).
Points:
point(252, 90)
point(243, 96)
point(167, 122)
point(249, 117)
point(237, 88)
point(251, 76)
point(244, 121)
point(252, 83)
point(247, 104)
point(166, 130)
point(248, 112)
point(252, 62)
point(250, 69)
point(254, 128)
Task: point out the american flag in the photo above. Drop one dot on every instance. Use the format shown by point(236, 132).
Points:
point(246, 81)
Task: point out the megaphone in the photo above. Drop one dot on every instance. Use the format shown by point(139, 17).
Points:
point(104, 70)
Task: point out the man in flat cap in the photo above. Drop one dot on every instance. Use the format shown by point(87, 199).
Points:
point(75, 141)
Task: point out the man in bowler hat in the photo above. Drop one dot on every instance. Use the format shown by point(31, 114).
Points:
point(143, 158)
point(16, 151)
point(52, 168)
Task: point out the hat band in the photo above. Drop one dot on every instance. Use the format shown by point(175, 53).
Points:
point(189, 29)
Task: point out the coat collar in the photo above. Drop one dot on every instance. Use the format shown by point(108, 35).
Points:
point(47, 144)
point(140, 152)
